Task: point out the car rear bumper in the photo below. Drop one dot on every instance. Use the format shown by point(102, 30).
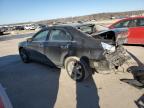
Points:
point(111, 60)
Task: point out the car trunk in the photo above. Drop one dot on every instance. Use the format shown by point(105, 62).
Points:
point(114, 53)
point(115, 36)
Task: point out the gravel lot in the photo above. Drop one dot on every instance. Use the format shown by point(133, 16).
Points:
point(38, 86)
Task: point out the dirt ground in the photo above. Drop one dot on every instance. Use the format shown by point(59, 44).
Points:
point(38, 86)
point(17, 32)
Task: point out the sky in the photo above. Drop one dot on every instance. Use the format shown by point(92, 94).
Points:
point(16, 11)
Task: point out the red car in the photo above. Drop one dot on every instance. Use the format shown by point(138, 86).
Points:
point(135, 26)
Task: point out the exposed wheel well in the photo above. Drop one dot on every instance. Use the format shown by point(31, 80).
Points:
point(84, 58)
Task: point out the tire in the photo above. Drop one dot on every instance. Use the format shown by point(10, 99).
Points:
point(24, 56)
point(77, 69)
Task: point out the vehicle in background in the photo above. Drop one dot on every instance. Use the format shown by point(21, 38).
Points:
point(29, 27)
point(19, 28)
point(11, 28)
point(135, 27)
point(40, 26)
point(2, 30)
point(80, 53)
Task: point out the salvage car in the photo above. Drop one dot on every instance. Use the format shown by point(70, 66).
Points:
point(1, 32)
point(78, 52)
point(135, 27)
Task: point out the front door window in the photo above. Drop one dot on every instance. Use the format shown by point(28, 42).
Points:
point(41, 36)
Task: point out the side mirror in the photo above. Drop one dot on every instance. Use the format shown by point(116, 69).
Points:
point(29, 39)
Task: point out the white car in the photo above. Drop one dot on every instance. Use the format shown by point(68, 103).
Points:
point(29, 27)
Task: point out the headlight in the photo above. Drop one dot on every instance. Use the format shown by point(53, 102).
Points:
point(108, 47)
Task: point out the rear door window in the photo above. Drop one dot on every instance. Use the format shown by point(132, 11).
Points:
point(140, 22)
point(127, 23)
point(59, 35)
point(132, 23)
point(122, 24)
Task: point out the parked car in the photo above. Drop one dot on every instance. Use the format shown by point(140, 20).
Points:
point(19, 27)
point(2, 30)
point(1, 33)
point(29, 27)
point(80, 53)
point(136, 29)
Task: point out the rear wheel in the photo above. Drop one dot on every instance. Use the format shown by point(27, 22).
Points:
point(77, 69)
point(24, 55)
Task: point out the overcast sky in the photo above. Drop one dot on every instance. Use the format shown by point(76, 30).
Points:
point(15, 11)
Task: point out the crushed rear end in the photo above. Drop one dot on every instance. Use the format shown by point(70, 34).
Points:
point(114, 54)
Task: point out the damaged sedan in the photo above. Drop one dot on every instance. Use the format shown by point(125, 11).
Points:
point(78, 52)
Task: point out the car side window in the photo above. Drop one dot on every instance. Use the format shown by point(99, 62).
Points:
point(140, 22)
point(41, 36)
point(122, 24)
point(132, 23)
point(59, 35)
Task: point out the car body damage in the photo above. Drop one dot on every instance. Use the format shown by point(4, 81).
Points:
point(115, 54)
point(112, 59)
point(64, 45)
point(114, 36)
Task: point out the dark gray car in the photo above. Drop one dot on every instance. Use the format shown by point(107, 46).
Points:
point(80, 53)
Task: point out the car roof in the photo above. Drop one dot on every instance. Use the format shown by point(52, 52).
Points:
point(74, 25)
point(67, 26)
point(128, 18)
point(124, 19)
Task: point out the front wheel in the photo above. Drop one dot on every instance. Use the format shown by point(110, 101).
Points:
point(24, 56)
point(77, 69)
